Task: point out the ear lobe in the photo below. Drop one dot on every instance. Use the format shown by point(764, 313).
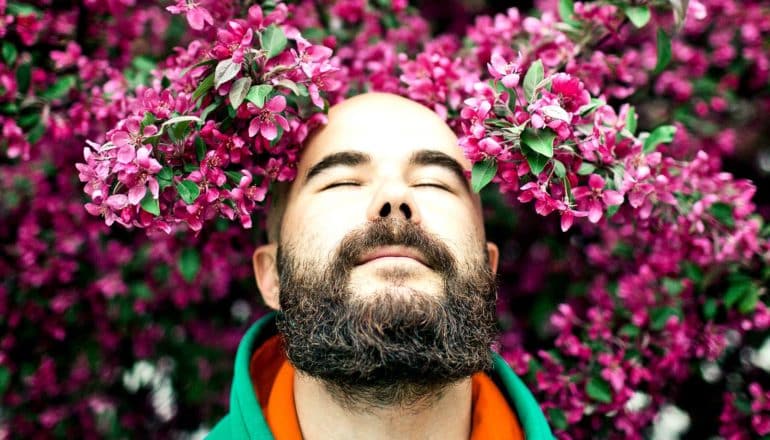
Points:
point(493, 254)
point(266, 274)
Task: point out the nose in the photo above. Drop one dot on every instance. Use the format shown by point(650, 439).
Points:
point(393, 199)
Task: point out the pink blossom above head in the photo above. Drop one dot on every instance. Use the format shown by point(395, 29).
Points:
point(266, 118)
point(197, 16)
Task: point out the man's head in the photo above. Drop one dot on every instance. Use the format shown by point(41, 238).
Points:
point(380, 267)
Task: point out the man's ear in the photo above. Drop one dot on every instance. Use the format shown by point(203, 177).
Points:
point(266, 273)
point(494, 256)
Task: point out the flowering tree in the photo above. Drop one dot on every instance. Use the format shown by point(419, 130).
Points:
point(137, 163)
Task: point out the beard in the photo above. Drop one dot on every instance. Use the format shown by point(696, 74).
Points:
point(387, 349)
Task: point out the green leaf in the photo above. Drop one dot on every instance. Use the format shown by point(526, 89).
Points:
point(143, 64)
point(540, 141)
point(631, 120)
point(23, 75)
point(749, 301)
point(723, 213)
point(148, 119)
point(189, 264)
point(661, 135)
point(60, 88)
point(141, 290)
point(586, 169)
point(200, 148)
point(273, 41)
point(188, 191)
point(28, 120)
point(314, 34)
point(203, 87)
point(536, 161)
point(238, 91)
point(710, 308)
point(639, 15)
point(557, 418)
point(629, 330)
point(294, 87)
point(234, 176)
point(177, 119)
point(532, 79)
point(5, 379)
point(10, 53)
point(664, 51)
point(178, 131)
point(482, 173)
point(210, 108)
point(150, 204)
point(567, 11)
point(599, 390)
point(692, 272)
point(740, 285)
point(36, 133)
point(559, 169)
point(165, 178)
point(591, 106)
point(225, 71)
point(257, 94)
point(672, 286)
point(660, 315)
point(16, 8)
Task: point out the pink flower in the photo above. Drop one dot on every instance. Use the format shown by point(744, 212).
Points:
point(245, 196)
point(196, 15)
point(266, 118)
point(509, 72)
point(594, 197)
point(571, 92)
point(232, 41)
point(28, 26)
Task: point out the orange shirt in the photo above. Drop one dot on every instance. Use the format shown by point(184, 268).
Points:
point(273, 379)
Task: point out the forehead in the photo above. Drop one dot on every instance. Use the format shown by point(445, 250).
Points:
point(386, 127)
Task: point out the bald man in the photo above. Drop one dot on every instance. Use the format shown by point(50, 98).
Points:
point(384, 289)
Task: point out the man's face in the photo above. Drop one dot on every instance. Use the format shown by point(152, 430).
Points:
point(386, 288)
point(383, 156)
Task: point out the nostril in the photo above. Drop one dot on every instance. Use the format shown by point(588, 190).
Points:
point(406, 210)
point(385, 210)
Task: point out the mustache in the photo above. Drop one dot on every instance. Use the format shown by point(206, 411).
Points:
point(391, 231)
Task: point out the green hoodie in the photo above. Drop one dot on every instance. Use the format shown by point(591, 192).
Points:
point(245, 419)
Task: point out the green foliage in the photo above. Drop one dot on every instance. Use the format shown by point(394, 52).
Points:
point(661, 135)
point(532, 80)
point(258, 94)
point(482, 173)
point(599, 390)
point(273, 41)
point(189, 264)
point(188, 191)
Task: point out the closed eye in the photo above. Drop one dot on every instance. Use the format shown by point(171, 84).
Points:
point(338, 184)
point(433, 185)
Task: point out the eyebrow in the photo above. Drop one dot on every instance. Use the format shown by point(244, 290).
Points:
point(437, 158)
point(421, 157)
point(343, 158)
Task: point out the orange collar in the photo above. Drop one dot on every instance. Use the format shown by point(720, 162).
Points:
point(273, 379)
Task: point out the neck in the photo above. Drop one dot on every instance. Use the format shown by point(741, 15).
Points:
point(446, 415)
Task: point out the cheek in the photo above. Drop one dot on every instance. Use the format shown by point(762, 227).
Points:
point(316, 227)
point(452, 219)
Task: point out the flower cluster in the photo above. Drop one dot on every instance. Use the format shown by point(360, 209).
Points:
point(615, 120)
point(192, 154)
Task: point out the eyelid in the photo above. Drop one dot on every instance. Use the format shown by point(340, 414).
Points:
point(434, 185)
point(341, 183)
